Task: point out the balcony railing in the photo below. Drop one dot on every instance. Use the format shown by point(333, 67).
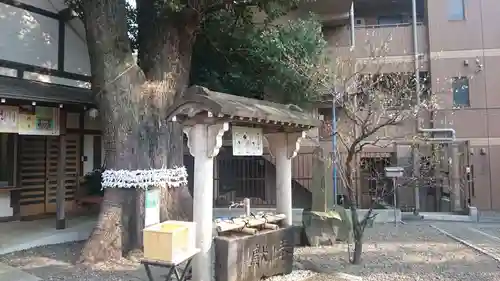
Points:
point(387, 40)
point(329, 10)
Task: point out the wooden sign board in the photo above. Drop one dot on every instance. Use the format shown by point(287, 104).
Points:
point(43, 122)
point(252, 257)
point(9, 117)
point(247, 141)
point(152, 207)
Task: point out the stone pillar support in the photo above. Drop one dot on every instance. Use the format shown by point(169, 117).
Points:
point(322, 191)
point(204, 142)
point(284, 146)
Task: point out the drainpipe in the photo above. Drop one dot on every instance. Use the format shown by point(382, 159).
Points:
point(416, 157)
point(353, 25)
point(334, 115)
point(416, 54)
point(334, 148)
point(419, 129)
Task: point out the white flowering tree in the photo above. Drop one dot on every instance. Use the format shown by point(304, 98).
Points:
point(368, 104)
point(374, 108)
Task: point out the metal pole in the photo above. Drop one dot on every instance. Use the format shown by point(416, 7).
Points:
point(334, 116)
point(416, 157)
point(395, 201)
point(455, 172)
point(351, 17)
point(246, 205)
point(415, 49)
point(334, 149)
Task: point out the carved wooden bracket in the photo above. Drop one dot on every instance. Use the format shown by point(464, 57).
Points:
point(211, 138)
point(187, 131)
point(291, 141)
point(215, 133)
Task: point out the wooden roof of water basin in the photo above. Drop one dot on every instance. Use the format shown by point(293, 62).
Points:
point(201, 105)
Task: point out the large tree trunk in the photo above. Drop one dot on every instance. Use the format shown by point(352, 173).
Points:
point(165, 47)
point(118, 83)
point(133, 104)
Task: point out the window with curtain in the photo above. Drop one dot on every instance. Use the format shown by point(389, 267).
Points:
point(456, 10)
point(460, 86)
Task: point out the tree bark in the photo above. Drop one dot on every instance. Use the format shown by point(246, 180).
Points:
point(117, 82)
point(357, 228)
point(165, 48)
point(358, 251)
point(133, 109)
point(357, 231)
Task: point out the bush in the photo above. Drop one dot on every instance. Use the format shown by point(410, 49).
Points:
point(92, 182)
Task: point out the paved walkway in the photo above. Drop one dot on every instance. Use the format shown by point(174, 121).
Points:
point(29, 234)
point(24, 235)
point(8, 273)
point(483, 237)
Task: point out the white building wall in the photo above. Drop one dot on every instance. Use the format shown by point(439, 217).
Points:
point(90, 124)
point(5, 209)
point(88, 152)
point(8, 72)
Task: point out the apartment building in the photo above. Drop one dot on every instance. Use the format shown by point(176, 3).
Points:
point(458, 47)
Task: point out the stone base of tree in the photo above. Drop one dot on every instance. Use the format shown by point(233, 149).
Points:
point(240, 257)
point(345, 232)
point(322, 228)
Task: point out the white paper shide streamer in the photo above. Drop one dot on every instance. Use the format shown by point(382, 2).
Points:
point(144, 178)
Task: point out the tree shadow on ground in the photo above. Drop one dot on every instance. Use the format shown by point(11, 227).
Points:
point(59, 262)
point(414, 251)
point(408, 261)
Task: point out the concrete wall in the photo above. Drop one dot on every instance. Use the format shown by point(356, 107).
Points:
point(398, 39)
point(471, 48)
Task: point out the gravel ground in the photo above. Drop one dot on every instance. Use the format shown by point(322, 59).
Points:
point(296, 275)
point(57, 262)
point(411, 252)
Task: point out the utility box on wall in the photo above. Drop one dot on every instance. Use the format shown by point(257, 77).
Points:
point(394, 172)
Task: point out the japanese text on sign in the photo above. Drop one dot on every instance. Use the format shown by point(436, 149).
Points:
point(260, 254)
